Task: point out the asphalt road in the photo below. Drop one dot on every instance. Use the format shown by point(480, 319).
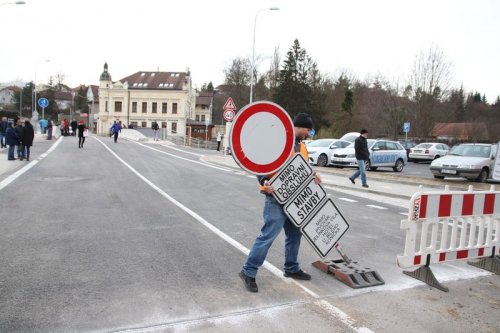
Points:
point(146, 237)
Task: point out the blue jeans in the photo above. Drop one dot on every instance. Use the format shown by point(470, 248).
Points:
point(20, 151)
point(361, 172)
point(10, 152)
point(2, 140)
point(274, 220)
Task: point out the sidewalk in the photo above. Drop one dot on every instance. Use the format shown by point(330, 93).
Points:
point(393, 185)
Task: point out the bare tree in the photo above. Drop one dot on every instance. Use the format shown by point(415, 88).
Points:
point(237, 81)
point(429, 82)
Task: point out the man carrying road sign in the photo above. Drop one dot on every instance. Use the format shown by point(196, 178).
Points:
point(274, 216)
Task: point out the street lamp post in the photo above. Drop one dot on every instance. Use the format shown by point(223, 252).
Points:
point(13, 3)
point(253, 49)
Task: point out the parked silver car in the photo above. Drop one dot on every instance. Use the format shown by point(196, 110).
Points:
point(383, 153)
point(428, 151)
point(473, 161)
point(320, 151)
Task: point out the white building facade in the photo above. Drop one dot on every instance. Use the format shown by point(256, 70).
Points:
point(144, 97)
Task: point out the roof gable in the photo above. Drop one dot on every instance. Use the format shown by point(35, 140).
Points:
point(156, 80)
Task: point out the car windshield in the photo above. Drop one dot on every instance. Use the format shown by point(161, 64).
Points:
point(471, 150)
point(424, 145)
point(320, 143)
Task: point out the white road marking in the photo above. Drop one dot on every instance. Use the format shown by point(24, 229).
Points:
point(179, 157)
point(334, 311)
point(376, 207)
point(404, 213)
point(183, 151)
point(31, 164)
point(348, 200)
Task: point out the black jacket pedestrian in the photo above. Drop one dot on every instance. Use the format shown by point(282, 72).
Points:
point(19, 131)
point(28, 135)
point(361, 148)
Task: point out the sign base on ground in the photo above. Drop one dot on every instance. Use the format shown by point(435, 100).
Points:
point(350, 273)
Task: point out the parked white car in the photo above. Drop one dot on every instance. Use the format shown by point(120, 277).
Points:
point(383, 153)
point(428, 151)
point(473, 161)
point(320, 151)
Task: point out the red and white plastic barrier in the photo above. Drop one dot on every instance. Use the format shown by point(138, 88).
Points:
point(451, 225)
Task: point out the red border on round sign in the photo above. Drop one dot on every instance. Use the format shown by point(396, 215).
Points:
point(237, 150)
point(226, 112)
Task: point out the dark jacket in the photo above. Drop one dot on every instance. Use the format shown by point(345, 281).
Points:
point(19, 131)
point(81, 128)
point(10, 137)
point(28, 135)
point(361, 148)
point(3, 126)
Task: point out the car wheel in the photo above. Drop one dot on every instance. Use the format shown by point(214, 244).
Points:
point(322, 160)
point(399, 166)
point(438, 177)
point(483, 175)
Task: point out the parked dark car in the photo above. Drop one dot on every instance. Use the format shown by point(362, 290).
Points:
point(408, 145)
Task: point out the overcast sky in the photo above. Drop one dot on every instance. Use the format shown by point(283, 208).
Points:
point(365, 37)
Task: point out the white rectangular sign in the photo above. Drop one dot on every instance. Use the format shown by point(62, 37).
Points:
point(325, 228)
point(305, 202)
point(496, 167)
point(290, 178)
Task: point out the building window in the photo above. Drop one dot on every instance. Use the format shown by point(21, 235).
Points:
point(153, 108)
point(106, 106)
point(163, 107)
point(134, 107)
point(118, 106)
point(174, 128)
point(174, 108)
point(197, 117)
point(144, 107)
point(134, 123)
point(202, 117)
point(163, 124)
point(144, 124)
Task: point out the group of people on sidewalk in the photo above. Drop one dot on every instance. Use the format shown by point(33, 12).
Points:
point(17, 134)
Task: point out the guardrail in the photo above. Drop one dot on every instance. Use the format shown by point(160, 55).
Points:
point(448, 225)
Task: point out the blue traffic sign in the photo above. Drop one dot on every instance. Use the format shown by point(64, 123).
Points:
point(406, 127)
point(43, 102)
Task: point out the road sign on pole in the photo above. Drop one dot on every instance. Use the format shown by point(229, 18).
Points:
point(229, 105)
point(43, 102)
point(262, 138)
point(228, 115)
point(406, 127)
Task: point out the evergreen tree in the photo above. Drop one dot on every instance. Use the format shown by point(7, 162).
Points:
point(294, 92)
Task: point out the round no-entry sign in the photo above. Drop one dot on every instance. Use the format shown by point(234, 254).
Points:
point(262, 138)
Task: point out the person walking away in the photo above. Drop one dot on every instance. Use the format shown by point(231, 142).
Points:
point(3, 129)
point(115, 129)
point(19, 132)
point(28, 136)
point(362, 155)
point(49, 129)
point(275, 219)
point(73, 125)
point(219, 139)
point(155, 128)
point(81, 137)
point(11, 141)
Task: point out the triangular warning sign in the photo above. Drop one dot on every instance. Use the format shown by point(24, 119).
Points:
point(229, 105)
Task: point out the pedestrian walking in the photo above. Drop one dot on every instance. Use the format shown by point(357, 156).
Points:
point(11, 141)
point(19, 132)
point(219, 139)
point(362, 155)
point(115, 129)
point(49, 125)
point(73, 125)
point(155, 128)
point(275, 219)
point(3, 130)
point(81, 134)
point(28, 136)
